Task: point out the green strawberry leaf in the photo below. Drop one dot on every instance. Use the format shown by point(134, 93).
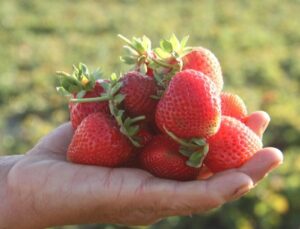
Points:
point(146, 43)
point(185, 152)
point(175, 42)
point(131, 51)
point(132, 130)
point(161, 53)
point(119, 98)
point(195, 160)
point(128, 59)
point(97, 74)
point(184, 41)
point(62, 91)
point(166, 45)
point(143, 68)
point(80, 94)
point(198, 141)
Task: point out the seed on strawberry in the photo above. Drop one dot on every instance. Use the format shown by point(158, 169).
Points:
point(231, 146)
point(161, 157)
point(232, 105)
point(98, 141)
point(203, 60)
point(190, 107)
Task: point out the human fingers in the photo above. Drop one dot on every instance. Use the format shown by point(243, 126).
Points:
point(258, 121)
point(186, 198)
point(57, 141)
point(263, 162)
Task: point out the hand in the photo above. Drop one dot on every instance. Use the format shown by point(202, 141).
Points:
point(47, 190)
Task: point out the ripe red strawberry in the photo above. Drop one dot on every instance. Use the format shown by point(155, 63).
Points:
point(98, 141)
point(138, 89)
point(78, 111)
point(190, 107)
point(203, 60)
point(161, 157)
point(232, 105)
point(231, 146)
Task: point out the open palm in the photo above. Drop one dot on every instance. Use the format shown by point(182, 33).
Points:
point(59, 192)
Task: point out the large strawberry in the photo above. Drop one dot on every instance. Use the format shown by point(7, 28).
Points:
point(231, 146)
point(233, 106)
point(161, 157)
point(82, 84)
point(139, 90)
point(202, 59)
point(190, 107)
point(98, 141)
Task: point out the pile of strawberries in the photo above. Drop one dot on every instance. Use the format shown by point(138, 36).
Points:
point(168, 115)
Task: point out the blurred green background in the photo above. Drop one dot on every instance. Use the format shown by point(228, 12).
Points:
point(257, 43)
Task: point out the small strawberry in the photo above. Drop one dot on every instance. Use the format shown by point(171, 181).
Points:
point(203, 60)
point(98, 141)
point(190, 107)
point(231, 146)
point(232, 105)
point(161, 157)
point(139, 90)
point(82, 84)
point(78, 111)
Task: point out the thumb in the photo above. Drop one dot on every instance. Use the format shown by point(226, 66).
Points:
point(58, 140)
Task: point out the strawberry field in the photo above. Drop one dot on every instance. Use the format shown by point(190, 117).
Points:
point(257, 44)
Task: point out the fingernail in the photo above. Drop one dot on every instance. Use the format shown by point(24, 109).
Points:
point(241, 191)
point(264, 125)
point(275, 165)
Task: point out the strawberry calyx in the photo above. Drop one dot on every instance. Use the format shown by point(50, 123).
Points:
point(79, 82)
point(164, 61)
point(195, 149)
point(128, 126)
point(168, 59)
point(138, 52)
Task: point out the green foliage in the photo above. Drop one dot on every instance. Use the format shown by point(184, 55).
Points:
point(257, 43)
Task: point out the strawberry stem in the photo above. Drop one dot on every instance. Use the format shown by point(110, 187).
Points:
point(62, 73)
point(195, 149)
point(87, 100)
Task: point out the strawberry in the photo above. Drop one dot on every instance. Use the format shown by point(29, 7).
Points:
point(138, 90)
point(202, 59)
point(232, 105)
point(82, 84)
point(190, 107)
point(78, 111)
point(98, 141)
point(231, 146)
point(161, 157)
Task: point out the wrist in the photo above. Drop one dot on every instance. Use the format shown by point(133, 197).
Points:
point(14, 209)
